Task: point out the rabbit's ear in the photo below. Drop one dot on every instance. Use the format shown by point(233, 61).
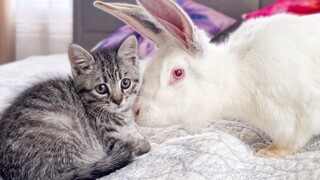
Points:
point(136, 17)
point(175, 20)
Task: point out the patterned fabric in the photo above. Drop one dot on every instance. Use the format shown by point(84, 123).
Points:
point(205, 18)
point(299, 7)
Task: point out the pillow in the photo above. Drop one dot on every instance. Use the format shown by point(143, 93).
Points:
point(205, 18)
point(299, 7)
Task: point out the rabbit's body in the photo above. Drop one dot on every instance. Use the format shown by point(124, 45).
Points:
point(266, 73)
point(269, 75)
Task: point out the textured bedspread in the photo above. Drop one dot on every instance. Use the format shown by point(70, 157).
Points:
point(223, 149)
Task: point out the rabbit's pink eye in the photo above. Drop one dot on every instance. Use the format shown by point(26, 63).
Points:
point(177, 75)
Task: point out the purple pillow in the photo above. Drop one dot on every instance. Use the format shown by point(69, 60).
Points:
point(203, 17)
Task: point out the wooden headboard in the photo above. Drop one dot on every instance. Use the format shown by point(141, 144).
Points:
point(91, 25)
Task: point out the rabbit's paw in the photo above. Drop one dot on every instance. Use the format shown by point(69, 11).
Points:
point(274, 151)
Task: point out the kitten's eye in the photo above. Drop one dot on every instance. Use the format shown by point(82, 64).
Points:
point(102, 89)
point(125, 83)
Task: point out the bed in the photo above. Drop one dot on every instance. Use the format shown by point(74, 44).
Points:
point(222, 149)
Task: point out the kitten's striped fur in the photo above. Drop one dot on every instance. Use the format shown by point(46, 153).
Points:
point(64, 129)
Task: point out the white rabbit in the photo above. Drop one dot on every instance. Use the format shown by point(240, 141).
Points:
point(267, 73)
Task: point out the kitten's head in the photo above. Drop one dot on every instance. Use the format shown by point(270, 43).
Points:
point(107, 78)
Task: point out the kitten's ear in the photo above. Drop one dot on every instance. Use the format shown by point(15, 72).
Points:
point(81, 60)
point(128, 50)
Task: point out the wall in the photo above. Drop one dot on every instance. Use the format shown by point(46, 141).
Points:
point(6, 32)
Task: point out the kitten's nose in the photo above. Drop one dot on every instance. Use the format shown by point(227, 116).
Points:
point(117, 98)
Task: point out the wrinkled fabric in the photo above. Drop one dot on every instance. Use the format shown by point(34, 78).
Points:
point(299, 7)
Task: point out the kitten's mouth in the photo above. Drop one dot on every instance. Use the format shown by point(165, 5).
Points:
point(120, 106)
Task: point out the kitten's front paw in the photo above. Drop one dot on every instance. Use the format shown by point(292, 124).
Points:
point(274, 151)
point(141, 146)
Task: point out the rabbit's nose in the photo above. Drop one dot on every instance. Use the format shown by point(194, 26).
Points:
point(136, 108)
point(136, 112)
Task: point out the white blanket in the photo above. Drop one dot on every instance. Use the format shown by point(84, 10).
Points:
point(223, 149)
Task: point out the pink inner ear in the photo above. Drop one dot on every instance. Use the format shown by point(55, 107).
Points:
point(170, 16)
point(175, 31)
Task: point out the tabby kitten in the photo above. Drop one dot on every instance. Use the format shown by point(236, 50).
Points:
point(76, 128)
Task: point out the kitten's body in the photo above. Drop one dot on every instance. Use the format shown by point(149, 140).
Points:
point(62, 129)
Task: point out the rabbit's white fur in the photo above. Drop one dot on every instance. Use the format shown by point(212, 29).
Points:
point(267, 73)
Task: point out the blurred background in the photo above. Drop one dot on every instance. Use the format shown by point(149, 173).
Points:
point(44, 27)
point(34, 27)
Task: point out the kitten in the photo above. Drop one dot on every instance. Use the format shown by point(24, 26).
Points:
point(75, 128)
